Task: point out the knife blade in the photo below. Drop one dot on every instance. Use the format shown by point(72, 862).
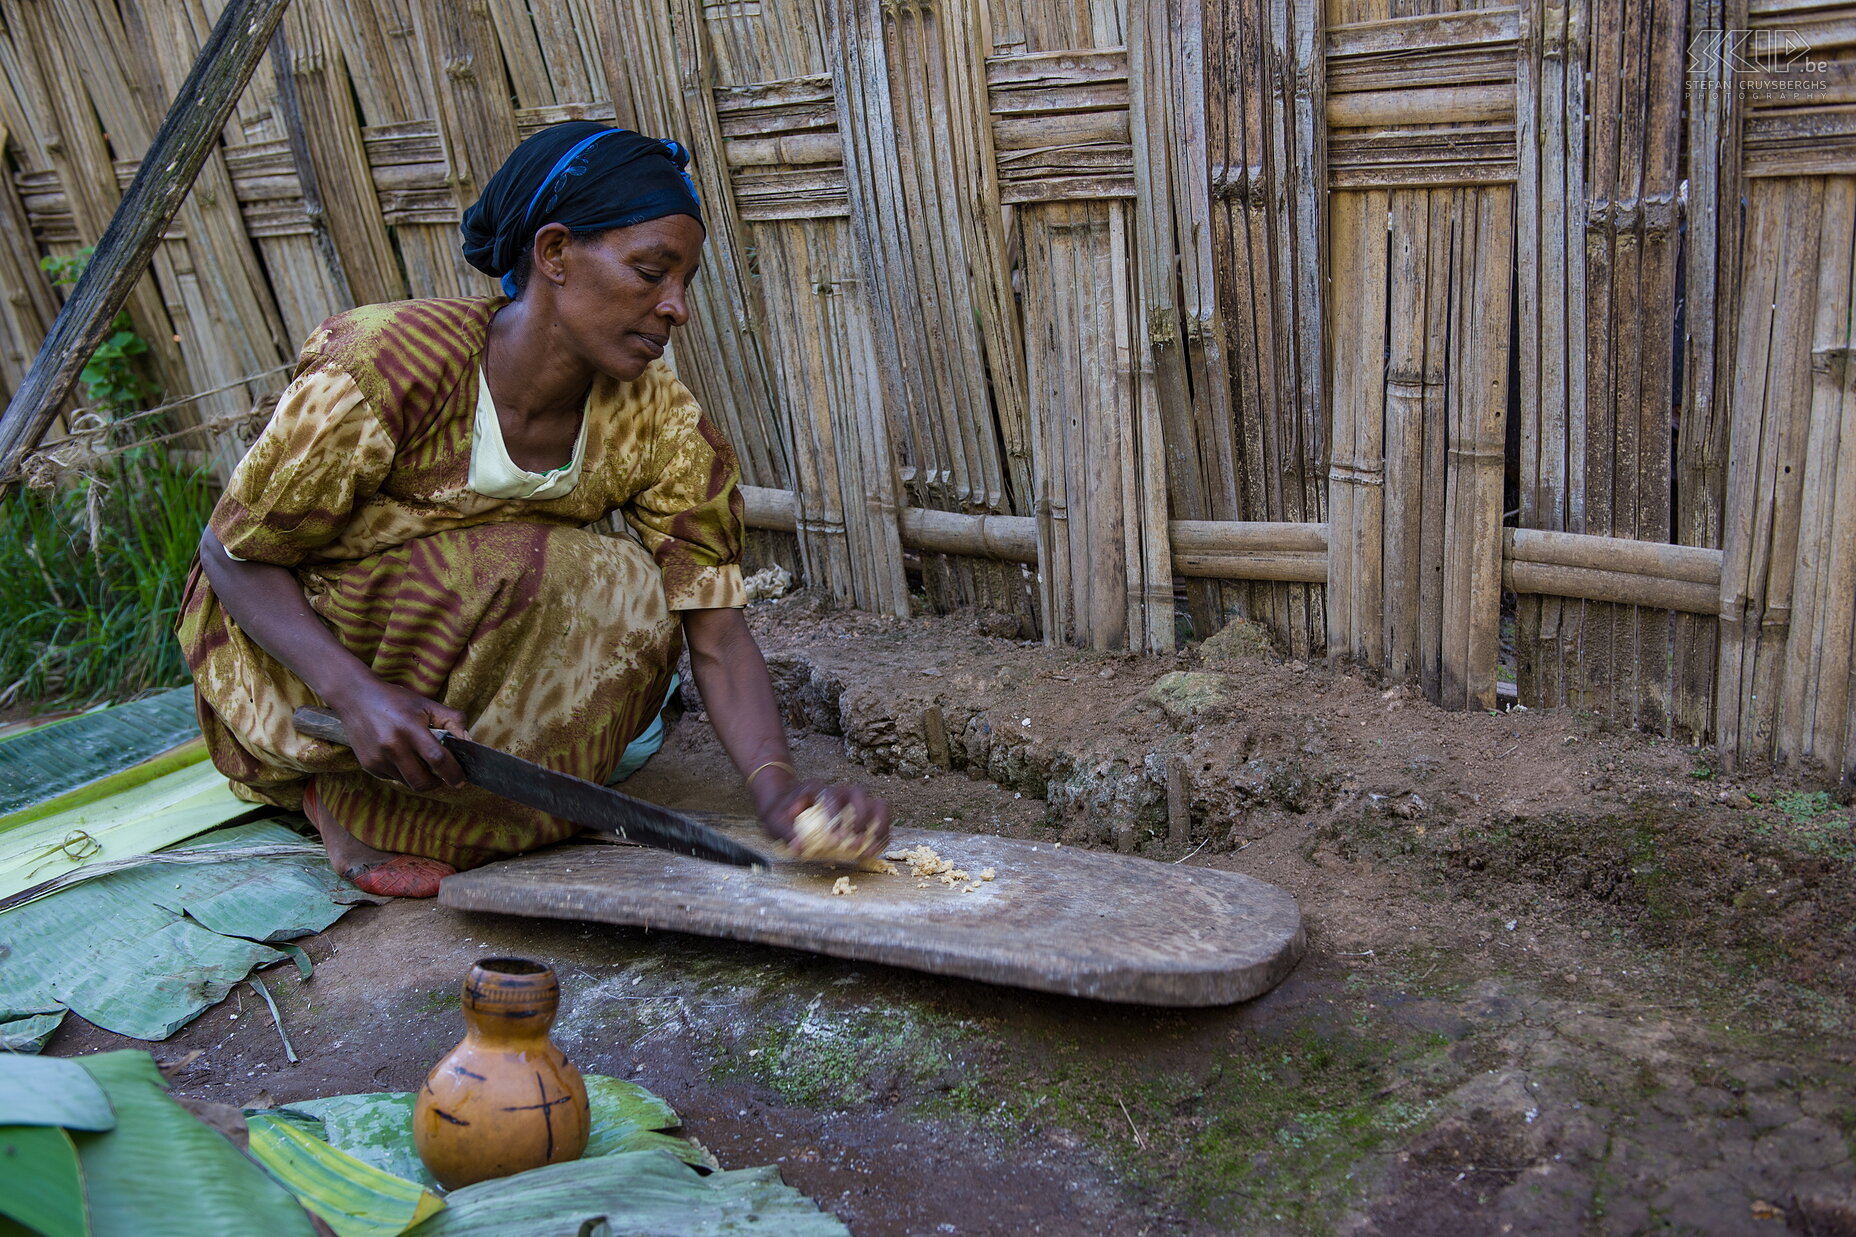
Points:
point(561, 794)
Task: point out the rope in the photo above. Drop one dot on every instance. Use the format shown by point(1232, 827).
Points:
point(80, 451)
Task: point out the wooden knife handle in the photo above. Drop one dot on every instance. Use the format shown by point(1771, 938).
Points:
point(324, 725)
point(320, 724)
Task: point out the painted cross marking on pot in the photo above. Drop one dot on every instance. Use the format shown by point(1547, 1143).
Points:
point(546, 1107)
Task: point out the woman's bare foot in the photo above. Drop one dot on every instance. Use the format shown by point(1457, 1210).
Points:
point(373, 871)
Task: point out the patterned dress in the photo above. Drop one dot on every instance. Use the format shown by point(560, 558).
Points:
point(556, 641)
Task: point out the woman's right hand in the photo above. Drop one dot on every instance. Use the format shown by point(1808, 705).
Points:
point(390, 731)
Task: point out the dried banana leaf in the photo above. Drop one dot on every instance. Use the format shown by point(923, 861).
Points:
point(351, 1196)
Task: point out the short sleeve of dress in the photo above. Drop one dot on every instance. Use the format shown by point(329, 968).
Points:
point(323, 453)
point(690, 516)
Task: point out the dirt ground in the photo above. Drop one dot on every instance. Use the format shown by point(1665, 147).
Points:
point(1562, 978)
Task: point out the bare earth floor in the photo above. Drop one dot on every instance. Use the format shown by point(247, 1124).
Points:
point(1562, 978)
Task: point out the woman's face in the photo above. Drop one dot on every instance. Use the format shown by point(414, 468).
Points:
point(617, 297)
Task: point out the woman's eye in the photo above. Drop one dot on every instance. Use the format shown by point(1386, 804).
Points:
point(650, 276)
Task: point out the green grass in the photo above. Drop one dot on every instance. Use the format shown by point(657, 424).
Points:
point(88, 622)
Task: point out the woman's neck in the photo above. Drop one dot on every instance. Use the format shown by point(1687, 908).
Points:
point(532, 378)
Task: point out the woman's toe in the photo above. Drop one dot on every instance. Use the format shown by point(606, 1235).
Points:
point(403, 876)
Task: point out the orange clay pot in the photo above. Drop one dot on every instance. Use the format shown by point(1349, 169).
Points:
point(505, 1099)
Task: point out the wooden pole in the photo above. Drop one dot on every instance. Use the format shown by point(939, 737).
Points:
point(167, 172)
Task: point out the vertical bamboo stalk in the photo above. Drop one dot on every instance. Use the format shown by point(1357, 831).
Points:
point(1790, 405)
point(1484, 379)
point(1623, 395)
point(1446, 237)
point(1665, 82)
point(1303, 279)
point(1550, 124)
point(1369, 474)
point(476, 118)
point(329, 131)
point(1184, 394)
point(1814, 592)
point(1782, 235)
point(1404, 430)
point(1711, 294)
point(1828, 737)
point(1348, 239)
point(28, 313)
point(1592, 674)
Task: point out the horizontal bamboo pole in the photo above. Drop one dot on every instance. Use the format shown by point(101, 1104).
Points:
point(1621, 587)
point(1613, 569)
point(1287, 566)
point(788, 149)
point(1227, 537)
point(1432, 32)
point(1062, 129)
point(1203, 549)
point(775, 511)
point(1615, 555)
point(1009, 538)
point(1440, 105)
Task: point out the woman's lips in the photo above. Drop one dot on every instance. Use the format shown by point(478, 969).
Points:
point(654, 343)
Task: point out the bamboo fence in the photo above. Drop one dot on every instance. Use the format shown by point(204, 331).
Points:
point(1349, 316)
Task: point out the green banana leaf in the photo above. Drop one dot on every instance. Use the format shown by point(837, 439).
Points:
point(637, 1194)
point(142, 952)
point(353, 1198)
point(41, 1185)
point(377, 1128)
point(161, 1173)
point(135, 820)
point(51, 1091)
point(48, 761)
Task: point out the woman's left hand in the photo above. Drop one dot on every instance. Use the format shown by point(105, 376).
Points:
point(859, 818)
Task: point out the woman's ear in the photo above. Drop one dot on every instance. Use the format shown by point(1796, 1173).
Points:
point(549, 252)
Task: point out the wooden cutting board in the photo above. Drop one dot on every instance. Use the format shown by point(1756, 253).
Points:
point(1053, 918)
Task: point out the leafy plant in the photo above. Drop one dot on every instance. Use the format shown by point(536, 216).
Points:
point(113, 382)
point(89, 619)
point(1803, 806)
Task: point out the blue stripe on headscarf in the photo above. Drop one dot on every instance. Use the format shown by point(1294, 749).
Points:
point(585, 175)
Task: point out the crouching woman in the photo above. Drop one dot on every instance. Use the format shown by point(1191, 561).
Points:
point(411, 540)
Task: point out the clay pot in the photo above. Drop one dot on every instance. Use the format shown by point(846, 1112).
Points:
point(505, 1099)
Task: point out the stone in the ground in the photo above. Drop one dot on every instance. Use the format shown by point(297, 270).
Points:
point(1194, 698)
point(1238, 641)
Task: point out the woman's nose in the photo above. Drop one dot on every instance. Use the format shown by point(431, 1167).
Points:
point(675, 305)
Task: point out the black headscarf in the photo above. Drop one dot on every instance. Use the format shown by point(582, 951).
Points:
point(583, 174)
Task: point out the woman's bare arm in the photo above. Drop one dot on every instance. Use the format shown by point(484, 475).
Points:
point(389, 727)
point(731, 674)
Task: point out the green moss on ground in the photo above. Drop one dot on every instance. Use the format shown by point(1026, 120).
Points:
point(1267, 1128)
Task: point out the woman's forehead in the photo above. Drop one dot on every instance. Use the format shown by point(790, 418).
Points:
point(673, 238)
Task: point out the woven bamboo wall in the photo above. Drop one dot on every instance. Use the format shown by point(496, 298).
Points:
point(1347, 315)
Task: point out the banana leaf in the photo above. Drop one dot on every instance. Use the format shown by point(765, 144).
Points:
point(161, 1173)
point(353, 1198)
point(134, 820)
point(636, 1193)
point(51, 1091)
point(41, 1185)
point(142, 952)
point(50, 760)
point(376, 1128)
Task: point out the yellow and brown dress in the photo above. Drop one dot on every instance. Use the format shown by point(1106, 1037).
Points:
point(554, 640)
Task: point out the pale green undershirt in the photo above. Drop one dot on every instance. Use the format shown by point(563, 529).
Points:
point(494, 475)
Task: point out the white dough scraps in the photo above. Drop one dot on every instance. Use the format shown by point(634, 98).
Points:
point(924, 866)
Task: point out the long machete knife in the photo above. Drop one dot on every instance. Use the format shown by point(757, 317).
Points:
point(561, 794)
